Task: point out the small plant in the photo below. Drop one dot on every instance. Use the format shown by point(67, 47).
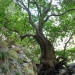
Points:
point(17, 73)
point(4, 69)
point(14, 54)
point(3, 55)
point(20, 61)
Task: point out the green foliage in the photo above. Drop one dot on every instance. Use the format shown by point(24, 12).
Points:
point(17, 73)
point(13, 54)
point(20, 61)
point(3, 7)
point(4, 68)
point(17, 20)
point(3, 55)
point(70, 54)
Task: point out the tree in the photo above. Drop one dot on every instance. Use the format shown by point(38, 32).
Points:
point(43, 8)
point(44, 11)
point(47, 49)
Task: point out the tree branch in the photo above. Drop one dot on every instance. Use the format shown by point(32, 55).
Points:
point(30, 19)
point(68, 42)
point(58, 14)
point(26, 35)
point(12, 30)
point(22, 37)
point(43, 14)
point(28, 11)
point(47, 9)
point(38, 8)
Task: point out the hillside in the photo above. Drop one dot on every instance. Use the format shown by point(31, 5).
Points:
point(14, 61)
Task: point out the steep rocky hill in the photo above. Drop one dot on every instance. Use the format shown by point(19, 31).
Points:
point(14, 61)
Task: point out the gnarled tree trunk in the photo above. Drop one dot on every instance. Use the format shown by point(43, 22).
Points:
point(48, 58)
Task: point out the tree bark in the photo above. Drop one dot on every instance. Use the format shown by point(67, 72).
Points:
point(48, 58)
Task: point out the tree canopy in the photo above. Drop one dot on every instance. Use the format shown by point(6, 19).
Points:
point(58, 17)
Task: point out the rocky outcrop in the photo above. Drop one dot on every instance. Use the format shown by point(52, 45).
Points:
point(13, 61)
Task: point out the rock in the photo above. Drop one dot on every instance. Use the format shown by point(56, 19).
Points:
point(62, 71)
point(16, 61)
point(0, 70)
point(71, 66)
point(73, 74)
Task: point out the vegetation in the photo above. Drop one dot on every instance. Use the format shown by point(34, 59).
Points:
point(17, 73)
point(4, 68)
point(39, 23)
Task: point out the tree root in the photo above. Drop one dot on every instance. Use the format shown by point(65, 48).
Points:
point(50, 66)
